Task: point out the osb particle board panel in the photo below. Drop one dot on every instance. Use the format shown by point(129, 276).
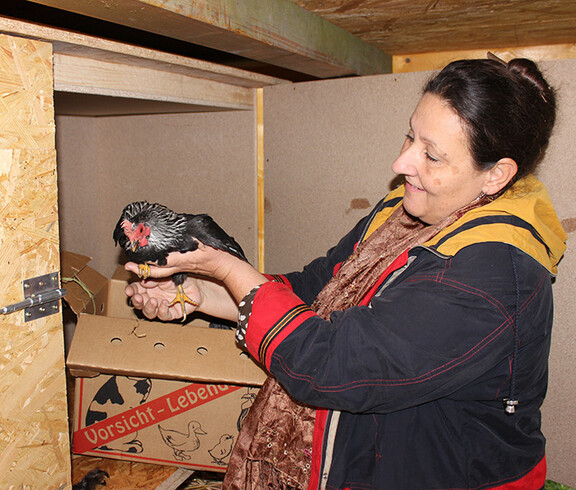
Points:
point(196, 163)
point(329, 146)
point(128, 475)
point(26, 107)
point(34, 441)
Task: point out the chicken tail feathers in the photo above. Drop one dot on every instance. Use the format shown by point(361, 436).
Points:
point(206, 230)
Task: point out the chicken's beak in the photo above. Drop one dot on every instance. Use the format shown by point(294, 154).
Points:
point(134, 246)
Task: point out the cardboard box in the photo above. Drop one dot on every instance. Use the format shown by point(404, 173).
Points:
point(159, 421)
point(87, 288)
point(154, 392)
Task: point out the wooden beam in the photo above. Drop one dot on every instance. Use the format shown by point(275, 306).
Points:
point(131, 77)
point(91, 76)
point(260, 175)
point(435, 61)
point(277, 32)
point(82, 45)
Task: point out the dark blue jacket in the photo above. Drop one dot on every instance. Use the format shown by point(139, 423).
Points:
point(412, 386)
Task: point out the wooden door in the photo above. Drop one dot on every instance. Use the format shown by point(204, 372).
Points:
point(34, 437)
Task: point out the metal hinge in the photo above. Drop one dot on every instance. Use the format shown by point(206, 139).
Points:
point(42, 297)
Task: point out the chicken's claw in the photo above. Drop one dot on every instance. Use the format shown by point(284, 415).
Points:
point(182, 298)
point(143, 271)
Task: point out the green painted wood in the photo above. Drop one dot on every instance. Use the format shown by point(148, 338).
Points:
point(277, 32)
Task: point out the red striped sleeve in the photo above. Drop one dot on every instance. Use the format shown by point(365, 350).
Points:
point(278, 278)
point(276, 312)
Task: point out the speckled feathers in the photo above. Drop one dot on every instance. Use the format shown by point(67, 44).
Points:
point(149, 232)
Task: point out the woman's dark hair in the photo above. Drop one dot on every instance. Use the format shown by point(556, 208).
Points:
point(508, 109)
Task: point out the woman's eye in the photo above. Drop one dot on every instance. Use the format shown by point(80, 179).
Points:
point(430, 157)
point(410, 138)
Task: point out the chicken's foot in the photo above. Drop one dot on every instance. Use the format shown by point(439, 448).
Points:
point(143, 271)
point(182, 298)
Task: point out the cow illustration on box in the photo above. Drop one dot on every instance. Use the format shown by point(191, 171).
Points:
point(115, 396)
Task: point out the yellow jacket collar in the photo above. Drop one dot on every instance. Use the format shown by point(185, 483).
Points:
point(523, 217)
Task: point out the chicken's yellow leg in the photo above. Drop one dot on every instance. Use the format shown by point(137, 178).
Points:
point(182, 298)
point(143, 271)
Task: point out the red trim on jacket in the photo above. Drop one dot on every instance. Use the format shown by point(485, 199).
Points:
point(276, 312)
point(317, 442)
point(337, 268)
point(399, 262)
point(322, 414)
point(278, 278)
point(533, 480)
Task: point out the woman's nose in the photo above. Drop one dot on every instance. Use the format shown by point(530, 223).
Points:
point(404, 164)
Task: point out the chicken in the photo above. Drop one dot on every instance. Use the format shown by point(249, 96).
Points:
point(149, 232)
point(91, 480)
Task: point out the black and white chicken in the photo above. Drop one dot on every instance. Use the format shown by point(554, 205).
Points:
point(91, 480)
point(149, 232)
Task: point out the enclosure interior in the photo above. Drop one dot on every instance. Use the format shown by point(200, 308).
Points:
point(328, 150)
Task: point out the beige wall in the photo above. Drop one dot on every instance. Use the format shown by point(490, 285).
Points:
point(558, 172)
point(196, 163)
point(329, 146)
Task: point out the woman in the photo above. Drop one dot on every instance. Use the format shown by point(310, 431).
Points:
point(422, 338)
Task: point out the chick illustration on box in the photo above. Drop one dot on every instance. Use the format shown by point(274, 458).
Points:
point(222, 450)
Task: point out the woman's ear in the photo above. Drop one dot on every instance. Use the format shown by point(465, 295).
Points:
point(499, 176)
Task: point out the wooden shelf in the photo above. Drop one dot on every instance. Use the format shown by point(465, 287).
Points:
point(136, 80)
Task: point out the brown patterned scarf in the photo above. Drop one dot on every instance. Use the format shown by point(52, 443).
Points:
point(274, 447)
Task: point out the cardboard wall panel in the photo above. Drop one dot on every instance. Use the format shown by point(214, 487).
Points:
point(557, 172)
point(329, 146)
point(196, 163)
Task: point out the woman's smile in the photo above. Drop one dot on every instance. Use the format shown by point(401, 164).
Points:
point(412, 187)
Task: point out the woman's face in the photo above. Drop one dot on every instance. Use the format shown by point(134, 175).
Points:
point(436, 163)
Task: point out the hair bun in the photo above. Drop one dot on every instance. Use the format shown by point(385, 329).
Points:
point(529, 71)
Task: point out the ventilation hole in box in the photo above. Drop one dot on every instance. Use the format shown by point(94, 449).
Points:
point(202, 350)
point(159, 346)
point(245, 355)
point(116, 340)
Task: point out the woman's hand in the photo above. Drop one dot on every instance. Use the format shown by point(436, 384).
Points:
point(205, 260)
point(153, 296)
point(232, 279)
